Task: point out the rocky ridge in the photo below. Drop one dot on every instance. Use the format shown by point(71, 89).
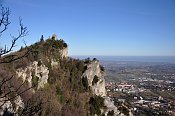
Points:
point(38, 73)
point(93, 70)
point(34, 72)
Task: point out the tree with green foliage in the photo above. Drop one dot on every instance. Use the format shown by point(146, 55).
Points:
point(65, 45)
point(87, 60)
point(102, 68)
point(42, 39)
point(60, 94)
point(85, 83)
point(96, 103)
point(110, 113)
point(95, 80)
point(124, 110)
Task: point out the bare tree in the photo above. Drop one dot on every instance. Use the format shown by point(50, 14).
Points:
point(7, 91)
point(10, 90)
point(4, 23)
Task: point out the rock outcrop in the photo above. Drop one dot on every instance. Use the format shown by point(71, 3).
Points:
point(54, 63)
point(19, 103)
point(56, 57)
point(94, 70)
point(35, 72)
point(110, 106)
point(7, 108)
point(64, 52)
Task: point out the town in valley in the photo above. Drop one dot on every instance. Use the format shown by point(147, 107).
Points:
point(146, 88)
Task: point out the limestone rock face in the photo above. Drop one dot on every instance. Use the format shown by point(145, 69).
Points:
point(34, 71)
point(7, 105)
point(110, 106)
point(19, 103)
point(64, 52)
point(93, 69)
point(54, 63)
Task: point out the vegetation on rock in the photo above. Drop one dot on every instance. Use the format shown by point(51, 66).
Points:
point(96, 104)
point(95, 80)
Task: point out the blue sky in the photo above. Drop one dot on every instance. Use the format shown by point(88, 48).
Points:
point(99, 27)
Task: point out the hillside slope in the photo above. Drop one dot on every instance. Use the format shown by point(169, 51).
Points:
point(47, 82)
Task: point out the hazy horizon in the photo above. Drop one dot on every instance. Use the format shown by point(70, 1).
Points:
point(160, 59)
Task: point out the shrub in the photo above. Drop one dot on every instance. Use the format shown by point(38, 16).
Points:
point(85, 83)
point(35, 80)
point(42, 39)
point(61, 98)
point(110, 113)
point(87, 60)
point(56, 44)
point(124, 110)
point(96, 103)
point(102, 68)
point(60, 94)
point(39, 63)
point(95, 80)
point(46, 85)
point(58, 90)
point(80, 66)
point(95, 59)
point(65, 45)
point(84, 69)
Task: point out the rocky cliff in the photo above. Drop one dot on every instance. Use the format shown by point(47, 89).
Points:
point(35, 73)
point(59, 83)
point(64, 53)
point(93, 71)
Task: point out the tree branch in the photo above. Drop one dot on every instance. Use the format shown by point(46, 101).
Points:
point(22, 32)
point(4, 19)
